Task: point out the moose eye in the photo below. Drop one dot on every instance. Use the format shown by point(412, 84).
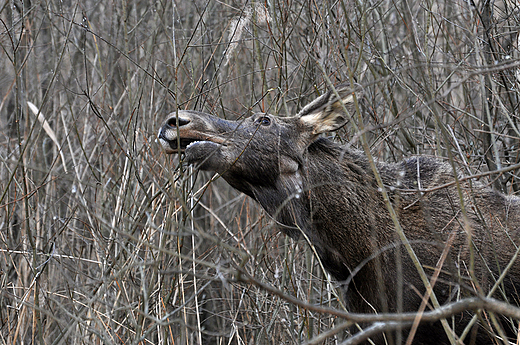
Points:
point(264, 121)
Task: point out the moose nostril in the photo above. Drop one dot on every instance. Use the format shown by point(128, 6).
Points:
point(172, 122)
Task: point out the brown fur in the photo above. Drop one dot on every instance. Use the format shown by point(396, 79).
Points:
point(313, 186)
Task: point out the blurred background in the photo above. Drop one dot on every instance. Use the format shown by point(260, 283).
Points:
point(104, 239)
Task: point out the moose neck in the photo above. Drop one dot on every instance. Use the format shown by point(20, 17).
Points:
point(327, 200)
point(346, 208)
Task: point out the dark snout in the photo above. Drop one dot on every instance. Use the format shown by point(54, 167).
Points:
point(204, 139)
point(168, 134)
point(186, 128)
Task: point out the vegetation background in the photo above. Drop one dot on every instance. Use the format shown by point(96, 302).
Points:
point(106, 240)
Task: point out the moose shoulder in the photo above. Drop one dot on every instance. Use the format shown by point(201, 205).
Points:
point(312, 185)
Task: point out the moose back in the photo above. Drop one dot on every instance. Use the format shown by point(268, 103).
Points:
point(313, 186)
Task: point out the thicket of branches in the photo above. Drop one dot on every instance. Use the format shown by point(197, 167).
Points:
point(104, 239)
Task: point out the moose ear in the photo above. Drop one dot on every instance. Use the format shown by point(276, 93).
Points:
point(326, 113)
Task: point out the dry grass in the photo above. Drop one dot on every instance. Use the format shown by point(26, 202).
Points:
point(106, 240)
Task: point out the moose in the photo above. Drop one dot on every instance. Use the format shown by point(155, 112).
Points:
point(462, 231)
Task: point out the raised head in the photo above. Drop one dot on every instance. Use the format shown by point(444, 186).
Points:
point(257, 149)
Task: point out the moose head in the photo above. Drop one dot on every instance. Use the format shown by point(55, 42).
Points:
point(263, 156)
